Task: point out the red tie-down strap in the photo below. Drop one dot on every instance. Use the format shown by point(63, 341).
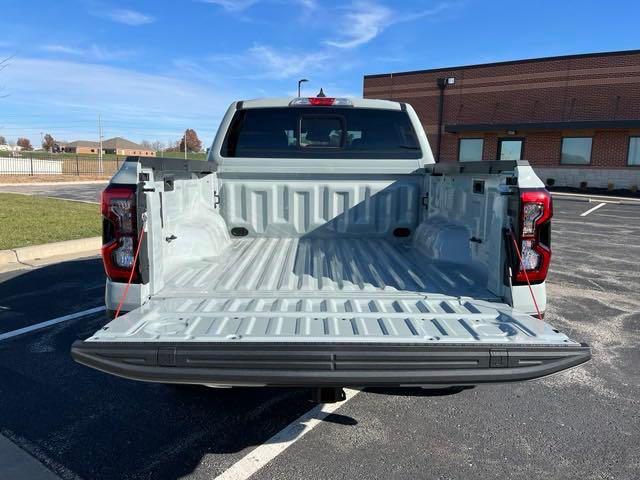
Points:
point(133, 269)
point(522, 267)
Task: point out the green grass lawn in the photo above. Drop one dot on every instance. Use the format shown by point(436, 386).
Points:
point(30, 220)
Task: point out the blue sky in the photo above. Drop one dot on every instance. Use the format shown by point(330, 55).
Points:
point(153, 68)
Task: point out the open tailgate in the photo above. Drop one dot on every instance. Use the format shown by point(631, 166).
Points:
point(380, 341)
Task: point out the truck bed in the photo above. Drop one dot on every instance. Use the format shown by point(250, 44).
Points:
point(317, 312)
point(290, 289)
point(313, 265)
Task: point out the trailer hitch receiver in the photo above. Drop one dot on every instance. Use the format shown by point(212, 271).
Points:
point(328, 395)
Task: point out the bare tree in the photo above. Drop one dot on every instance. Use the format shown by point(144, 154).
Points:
point(173, 145)
point(4, 63)
point(3, 141)
point(158, 146)
point(146, 144)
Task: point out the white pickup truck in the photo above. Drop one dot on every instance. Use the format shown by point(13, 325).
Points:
point(321, 246)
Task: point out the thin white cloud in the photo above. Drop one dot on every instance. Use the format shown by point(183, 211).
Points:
point(285, 64)
point(94, 52)
point(101, 53)
point(310, 4)
point(308, 7)
point(363, 21)
point(232, 5)
point(196, 71)
point(266, 62)
point(130, 17)
point(235, 6)
point(410, 16)
point(62, 49)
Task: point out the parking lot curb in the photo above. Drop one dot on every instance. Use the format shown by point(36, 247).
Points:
point(81, 182)
point(7, 257)
point(25, 255)
point(586, 198)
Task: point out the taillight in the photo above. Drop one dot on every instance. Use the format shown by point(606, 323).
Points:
point(119, 232)
point(536, 210)
point(321, 102)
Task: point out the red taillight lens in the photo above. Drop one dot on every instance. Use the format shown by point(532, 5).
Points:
point(322, 101)
point(536, 210)
point(119, 232)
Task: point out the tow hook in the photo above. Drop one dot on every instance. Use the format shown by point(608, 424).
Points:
point(328, 395)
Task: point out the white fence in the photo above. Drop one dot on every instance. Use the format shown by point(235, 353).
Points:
point(30, 166)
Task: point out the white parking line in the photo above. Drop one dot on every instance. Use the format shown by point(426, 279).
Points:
point(48, 323)
point(600, 205)
point(260, 456)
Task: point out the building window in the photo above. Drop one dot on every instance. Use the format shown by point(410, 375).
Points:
point(633, 158)
point(510, 148)
point(470, 149)
point(576, 150)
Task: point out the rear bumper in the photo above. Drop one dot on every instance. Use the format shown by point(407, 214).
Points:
point(331, 364)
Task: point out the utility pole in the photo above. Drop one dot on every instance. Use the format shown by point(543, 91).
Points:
point(185, 144)
point(100, 165)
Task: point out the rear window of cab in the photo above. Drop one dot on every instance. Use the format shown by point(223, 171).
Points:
point(326, 132)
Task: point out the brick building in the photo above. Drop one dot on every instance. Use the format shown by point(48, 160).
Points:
point(576, 118)
point(82, 147)
point(116, 145)
point(122, 146)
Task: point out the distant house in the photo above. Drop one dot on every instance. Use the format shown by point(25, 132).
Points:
point(10, 148)
point(83, 146)
point(122, 146)
point(116, 145)
point(59, 147)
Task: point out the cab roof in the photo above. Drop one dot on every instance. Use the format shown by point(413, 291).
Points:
point(285, 101)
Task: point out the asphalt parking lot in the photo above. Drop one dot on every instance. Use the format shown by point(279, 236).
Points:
point(582, 424)
point(87, 192)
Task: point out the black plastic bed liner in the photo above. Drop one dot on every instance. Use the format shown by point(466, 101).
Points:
point(327, 364)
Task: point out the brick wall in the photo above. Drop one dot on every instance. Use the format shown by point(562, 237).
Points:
point(561, 89)
point(609, 147)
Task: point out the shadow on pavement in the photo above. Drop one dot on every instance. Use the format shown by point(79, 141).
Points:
point(75, 419)
point(82, 423)
point(35, 295)
point(420, 392)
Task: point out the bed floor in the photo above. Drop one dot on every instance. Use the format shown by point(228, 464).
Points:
point(325, 265)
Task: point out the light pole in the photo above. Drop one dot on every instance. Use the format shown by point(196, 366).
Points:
point(442, 84)
point(300, 82)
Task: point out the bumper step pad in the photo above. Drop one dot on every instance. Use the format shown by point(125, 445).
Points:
point(328, 364)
